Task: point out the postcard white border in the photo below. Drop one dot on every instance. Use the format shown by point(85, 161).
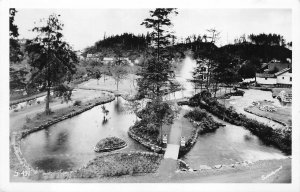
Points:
point(5, 185)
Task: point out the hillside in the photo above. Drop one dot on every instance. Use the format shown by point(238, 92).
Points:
point(265, 53)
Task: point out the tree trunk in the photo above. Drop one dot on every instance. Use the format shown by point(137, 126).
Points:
point(47, 109)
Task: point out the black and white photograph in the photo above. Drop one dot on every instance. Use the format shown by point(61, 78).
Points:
point(154, 94)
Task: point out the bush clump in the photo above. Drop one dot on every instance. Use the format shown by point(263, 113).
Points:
point(120, 164)
point(77, 103)
point(109, 144)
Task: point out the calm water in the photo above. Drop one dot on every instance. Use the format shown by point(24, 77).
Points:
point(228, 145)
point(69, 144)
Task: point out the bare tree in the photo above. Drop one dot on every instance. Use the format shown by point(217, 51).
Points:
point(214, 35)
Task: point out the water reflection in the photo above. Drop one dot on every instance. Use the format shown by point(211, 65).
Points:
point(228, 145)
point(72, 141)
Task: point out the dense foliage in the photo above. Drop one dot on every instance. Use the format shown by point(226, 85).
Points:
point(204, 121)
point(153, 116)
point(14, 46)
point(127, 42)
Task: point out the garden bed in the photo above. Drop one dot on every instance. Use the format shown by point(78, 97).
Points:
point(268, 110)
point(118, 164)
point(109, 144)
point(235, 93)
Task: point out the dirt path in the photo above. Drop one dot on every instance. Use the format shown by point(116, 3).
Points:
point(17, 119)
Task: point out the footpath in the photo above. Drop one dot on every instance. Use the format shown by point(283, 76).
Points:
point(168, 165)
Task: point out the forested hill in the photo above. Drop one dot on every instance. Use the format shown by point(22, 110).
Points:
point(124, 43)
point(248, 51)
point(260, 47)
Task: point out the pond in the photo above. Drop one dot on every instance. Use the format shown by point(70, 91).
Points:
point(228, 145)
point(69, 144)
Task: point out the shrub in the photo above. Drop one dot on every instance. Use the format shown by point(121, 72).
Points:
point(28, 120)
point(38, 115)
point(77, 103)
point(110, 143)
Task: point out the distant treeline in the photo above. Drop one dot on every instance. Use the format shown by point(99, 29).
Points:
point(123, 42)
point(262, 47)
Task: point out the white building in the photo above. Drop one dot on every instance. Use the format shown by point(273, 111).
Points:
point(281, 78)
point(284, 77)
point(107, 60)
point(265, 79)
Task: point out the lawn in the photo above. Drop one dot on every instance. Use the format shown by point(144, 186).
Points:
point(281, 114)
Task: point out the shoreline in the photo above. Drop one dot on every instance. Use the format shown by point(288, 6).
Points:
point(62, 176)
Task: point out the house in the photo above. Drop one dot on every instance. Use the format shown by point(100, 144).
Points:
point(107, 60)
point(203, 68)
point(282, 78)
point(265, 79)
point(93, 57)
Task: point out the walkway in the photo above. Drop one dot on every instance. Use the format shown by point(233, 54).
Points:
point(169, 164)
point(173, 145)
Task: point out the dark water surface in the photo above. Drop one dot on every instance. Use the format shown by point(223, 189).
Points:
point(228, 145)
point(69, 144)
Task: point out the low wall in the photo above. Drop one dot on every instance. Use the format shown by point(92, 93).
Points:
point(149, 145)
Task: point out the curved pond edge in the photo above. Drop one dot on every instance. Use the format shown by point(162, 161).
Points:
point(149, 145)
point(17, 136)
point(158, 149)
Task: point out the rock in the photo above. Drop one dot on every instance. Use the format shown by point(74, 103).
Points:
point(204, 167)
point(217, 166)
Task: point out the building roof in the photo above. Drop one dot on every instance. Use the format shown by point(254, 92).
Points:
point(282, 71)
point(265, 75)
point(108, 59)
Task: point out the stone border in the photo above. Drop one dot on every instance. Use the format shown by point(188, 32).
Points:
point(17, 136)
point(110, 149)
point(145, 143)
point(244, 163)
point(190, 143)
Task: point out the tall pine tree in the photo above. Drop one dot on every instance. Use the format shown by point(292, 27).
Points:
point(52, 59)
point(156, 68)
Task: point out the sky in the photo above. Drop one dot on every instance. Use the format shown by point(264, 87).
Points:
point(83, 27)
